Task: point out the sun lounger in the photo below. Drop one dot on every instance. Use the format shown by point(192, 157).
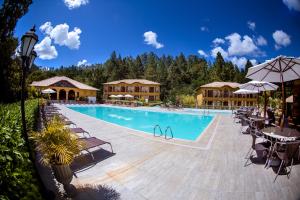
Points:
point(78, 130)
point(93, 142)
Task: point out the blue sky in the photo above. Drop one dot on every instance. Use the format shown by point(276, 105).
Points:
point(89, 30)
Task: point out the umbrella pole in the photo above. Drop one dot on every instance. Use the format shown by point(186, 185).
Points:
point(257, 101)
point(283, 105)
point(265, 106)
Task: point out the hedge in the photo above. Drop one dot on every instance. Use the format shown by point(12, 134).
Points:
point(17, 177)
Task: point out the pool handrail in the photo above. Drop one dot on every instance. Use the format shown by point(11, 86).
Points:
point(154, 130)
point(166, 131)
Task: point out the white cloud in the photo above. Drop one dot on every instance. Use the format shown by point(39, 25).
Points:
point(61, 35)
point(82, 62)
point(219, 49)
point(281, 39)
point(253, 61)
point(240, 62)
point(251, 25)
point(292, 4)
point(218, 41)
point(240, 46)
point(71, 4)
point(45, 50)
point(261, 41)
point(202, 53)
point(46, 28)
point(204, 28)
point(151, 39)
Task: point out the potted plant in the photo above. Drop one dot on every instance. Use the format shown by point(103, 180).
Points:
point(58, 147)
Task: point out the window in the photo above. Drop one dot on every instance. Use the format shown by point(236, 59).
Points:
point(209, 103)
point(226, 93)
point(110, 89)
point(209, 93)
point(151, 89)
point(122, 89)
point(151, 98)
point(225, 103)
point(137, 89)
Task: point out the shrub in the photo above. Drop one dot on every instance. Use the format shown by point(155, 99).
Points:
point(57, 144)
point(187, 100)
point(17, 177)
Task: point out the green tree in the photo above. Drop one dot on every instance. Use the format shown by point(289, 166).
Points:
point(10, 12)
point(247, 66)
point(150, 69)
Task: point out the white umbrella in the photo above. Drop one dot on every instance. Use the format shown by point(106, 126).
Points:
point(278, 70)
point(119, 95)
point(259, 86)
point(244, 91)
point(290, 99)
point(112, 96)
point(128, 96)
point(48, 91)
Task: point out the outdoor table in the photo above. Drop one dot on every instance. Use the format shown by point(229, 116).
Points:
point(256, 118)
point(287, 134)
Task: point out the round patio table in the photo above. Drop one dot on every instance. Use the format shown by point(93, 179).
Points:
point(287, 134)
point(276, 134)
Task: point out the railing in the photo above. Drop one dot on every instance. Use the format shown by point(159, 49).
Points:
point(167, 130)
point(171, 132)
point(154, 130)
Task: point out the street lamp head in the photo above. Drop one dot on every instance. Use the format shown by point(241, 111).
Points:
point(32, 58)
point(28, 42)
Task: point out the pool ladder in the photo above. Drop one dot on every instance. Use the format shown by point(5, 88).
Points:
point(161, 133)
point(205, 111)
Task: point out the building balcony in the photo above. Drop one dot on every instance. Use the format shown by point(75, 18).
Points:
point(132, 93)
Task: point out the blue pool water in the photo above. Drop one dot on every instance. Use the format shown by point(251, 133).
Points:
point(184, 126)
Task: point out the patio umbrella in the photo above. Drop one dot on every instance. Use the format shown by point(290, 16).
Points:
point(290, 99)
point(48, 91)
point(128, 96)
point(260, 86)
point(278, 70)
point(112, 96)
point(119, 96)
point(244, 91)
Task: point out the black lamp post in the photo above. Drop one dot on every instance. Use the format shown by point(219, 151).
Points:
point(28, 56)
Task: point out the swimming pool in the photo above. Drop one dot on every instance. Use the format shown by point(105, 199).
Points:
point(184, 126)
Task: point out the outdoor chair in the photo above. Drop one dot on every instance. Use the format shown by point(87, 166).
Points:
point(93, 142)
point(245, 125)
point(285, 152)
point(262, 148)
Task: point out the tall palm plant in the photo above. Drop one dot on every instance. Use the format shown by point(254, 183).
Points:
point(57, 144)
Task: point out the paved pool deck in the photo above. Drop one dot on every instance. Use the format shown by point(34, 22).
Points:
point(147, 167)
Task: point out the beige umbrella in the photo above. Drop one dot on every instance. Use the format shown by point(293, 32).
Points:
point(244, 91)
point(48, 91)
point(278, 70)
point(128, 96)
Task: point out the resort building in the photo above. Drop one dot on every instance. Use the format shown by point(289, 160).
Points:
point(67, 89)
point(219, 95)
point(138, 88)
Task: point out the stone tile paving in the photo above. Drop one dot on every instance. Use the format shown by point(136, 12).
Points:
point(147, 168)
